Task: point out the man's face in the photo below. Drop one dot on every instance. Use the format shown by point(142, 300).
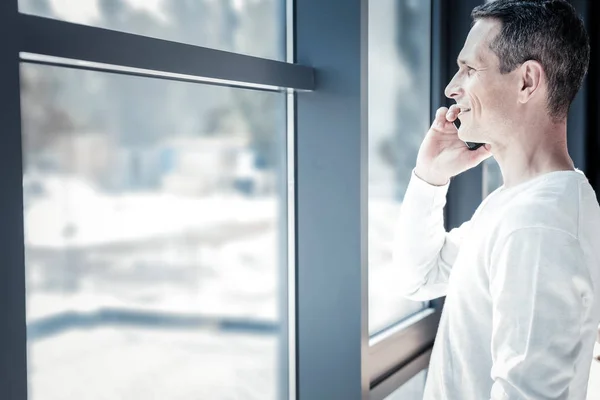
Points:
point(488, 98)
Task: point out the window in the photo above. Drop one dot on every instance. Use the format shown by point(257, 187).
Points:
point(399, 116)
point(153, 239)
point(250, 27)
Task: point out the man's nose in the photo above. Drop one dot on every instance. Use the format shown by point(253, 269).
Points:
point(453, 89)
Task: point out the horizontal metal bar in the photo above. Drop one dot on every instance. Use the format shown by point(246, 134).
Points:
point(31, 58)
point(400, 377)
point(405, 323)
point(388, 355)
point(49, 37)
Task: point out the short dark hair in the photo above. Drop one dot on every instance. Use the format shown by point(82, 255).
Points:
point(548, 31)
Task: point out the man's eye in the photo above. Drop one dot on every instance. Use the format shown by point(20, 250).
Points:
point(470, 70)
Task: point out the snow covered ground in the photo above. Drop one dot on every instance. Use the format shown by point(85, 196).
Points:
point(142, 364)
point(90, 253)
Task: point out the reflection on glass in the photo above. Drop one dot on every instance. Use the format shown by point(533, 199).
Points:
point(399, 113)
point(253, 27)
point(411, 390)
point(492, 176)
point(152, 215)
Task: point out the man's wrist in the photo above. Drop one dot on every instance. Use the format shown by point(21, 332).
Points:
point(431, 178)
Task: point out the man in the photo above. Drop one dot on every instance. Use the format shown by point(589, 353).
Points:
point(521, 278)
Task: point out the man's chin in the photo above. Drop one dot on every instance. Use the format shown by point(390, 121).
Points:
point(466, 135)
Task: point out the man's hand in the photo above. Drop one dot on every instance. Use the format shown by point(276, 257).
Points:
point(442, 154)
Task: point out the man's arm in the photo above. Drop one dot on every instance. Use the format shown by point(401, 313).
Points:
point(540, 289)
point(423, 251)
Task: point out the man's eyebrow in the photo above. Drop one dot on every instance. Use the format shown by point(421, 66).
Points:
point(477, 62)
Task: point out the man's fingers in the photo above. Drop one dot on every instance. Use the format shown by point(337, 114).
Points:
point(445, 117)
point(452, 113)
point(440, 114)
point(440, 118)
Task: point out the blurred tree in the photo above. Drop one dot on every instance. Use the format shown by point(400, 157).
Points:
point(141, 111)
point(43, 120)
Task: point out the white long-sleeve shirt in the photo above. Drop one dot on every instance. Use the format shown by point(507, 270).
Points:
point(521, 280)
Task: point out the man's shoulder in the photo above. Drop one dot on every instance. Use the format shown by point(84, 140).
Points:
point(552, 205)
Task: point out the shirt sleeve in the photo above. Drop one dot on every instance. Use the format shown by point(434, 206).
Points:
point(423, 251)
point(540, 290)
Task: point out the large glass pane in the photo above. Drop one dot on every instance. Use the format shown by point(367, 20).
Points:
point(411, 390)
point(153, 237)
point(254, 27)
point(399, 113)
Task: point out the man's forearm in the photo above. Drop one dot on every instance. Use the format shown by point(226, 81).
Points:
point(420, 238)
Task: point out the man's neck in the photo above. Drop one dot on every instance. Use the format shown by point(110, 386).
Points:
point(533, 153)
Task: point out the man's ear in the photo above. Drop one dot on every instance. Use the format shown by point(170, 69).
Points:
point(531, 76)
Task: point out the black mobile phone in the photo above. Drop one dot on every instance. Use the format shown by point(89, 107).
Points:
point(473, 145)
point(470, 145)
